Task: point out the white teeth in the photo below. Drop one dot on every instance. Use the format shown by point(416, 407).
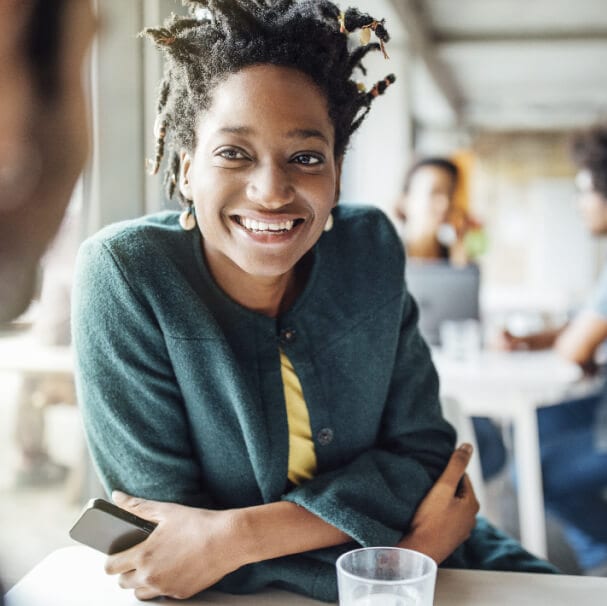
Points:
point(253, 225)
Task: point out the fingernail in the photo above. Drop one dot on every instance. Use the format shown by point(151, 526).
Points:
point(118, 495)
point(465, 447)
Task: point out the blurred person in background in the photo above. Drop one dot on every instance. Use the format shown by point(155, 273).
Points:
point(573, 434)
point(433, 230)
point(431, 226)
point(43, 132)
point(579, 340)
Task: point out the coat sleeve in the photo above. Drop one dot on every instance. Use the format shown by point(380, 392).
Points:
point(133, 414)
point(488, 548)
point(374, 496)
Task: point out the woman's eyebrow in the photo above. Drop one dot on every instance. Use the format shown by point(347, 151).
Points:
point(307, 133)
point(296, 133)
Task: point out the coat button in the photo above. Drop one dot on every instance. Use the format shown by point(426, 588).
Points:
point(287, 335)
point(325, 436)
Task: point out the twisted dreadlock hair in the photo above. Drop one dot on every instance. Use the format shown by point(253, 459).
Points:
point(221, 37)
point(589, 151)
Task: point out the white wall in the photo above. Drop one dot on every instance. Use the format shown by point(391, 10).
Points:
point(114, 179)
point(540, 254)
point(543, 257)
point(125, 73)
point(562, 255)
point(379, 152)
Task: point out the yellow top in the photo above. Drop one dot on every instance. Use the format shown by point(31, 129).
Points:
point(302, 457)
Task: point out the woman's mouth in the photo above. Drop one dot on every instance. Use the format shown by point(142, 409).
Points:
point(270, 227)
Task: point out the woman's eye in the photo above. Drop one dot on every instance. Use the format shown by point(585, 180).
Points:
point(232, 154)
point(308, 159)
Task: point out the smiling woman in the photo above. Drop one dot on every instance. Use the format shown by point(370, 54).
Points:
point(263, 180)
point(254, 365)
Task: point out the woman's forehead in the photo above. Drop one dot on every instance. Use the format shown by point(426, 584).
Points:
point(263, 96)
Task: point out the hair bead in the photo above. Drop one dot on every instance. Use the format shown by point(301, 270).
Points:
point(380, 87)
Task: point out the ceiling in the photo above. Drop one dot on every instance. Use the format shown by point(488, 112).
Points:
point(507, 64)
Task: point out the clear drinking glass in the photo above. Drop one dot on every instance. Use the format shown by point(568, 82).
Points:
point(385, 576)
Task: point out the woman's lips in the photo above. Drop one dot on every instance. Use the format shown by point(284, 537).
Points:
point(268, 226)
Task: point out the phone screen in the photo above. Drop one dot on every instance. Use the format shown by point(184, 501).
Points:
point(108, 528)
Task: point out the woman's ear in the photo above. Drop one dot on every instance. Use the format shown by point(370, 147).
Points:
point(185, 163)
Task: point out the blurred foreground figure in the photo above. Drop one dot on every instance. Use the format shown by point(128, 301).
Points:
point(43, 132)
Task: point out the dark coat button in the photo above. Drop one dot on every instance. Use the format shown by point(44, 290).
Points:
point(287, 335)
point(325, 436)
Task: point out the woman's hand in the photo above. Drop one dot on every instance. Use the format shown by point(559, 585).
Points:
point(189, 550)
point(447, 515)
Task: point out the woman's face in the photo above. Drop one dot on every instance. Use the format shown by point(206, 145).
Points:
point(593, 205)
point(429, 199)
point(263, 177)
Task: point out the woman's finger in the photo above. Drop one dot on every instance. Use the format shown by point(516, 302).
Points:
point(456, 467)
point(128, 580)
point(467, 495)
point(120, 563)
point(464, 488)
point(144, 508)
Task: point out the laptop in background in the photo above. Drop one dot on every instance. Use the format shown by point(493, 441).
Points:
point(443, 292)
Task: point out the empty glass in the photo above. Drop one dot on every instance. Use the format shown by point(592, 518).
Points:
point(385, 576)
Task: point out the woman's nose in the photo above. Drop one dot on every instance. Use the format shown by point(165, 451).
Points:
point(270, 186)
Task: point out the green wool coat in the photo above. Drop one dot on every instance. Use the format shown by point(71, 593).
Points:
point(182, 395)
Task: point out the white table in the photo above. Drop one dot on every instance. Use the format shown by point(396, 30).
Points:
point(74, 576)
point(513, 385)
point(24, 354)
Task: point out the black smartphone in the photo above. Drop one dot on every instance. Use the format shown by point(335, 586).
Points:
point(108, 528)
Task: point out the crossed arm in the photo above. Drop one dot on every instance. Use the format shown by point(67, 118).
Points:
point(174, 561)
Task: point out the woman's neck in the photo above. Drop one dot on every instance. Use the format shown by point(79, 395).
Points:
point(267, 295)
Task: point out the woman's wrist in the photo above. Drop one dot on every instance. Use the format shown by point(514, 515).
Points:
point(246, 535)
point(279, 529)
point(416, 541)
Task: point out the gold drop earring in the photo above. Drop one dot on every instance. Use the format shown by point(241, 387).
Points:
point(329, 224)
point(187, 220)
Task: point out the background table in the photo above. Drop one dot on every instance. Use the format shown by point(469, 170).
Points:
point(74, 576)
point(512, 386)
point(23, 353)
